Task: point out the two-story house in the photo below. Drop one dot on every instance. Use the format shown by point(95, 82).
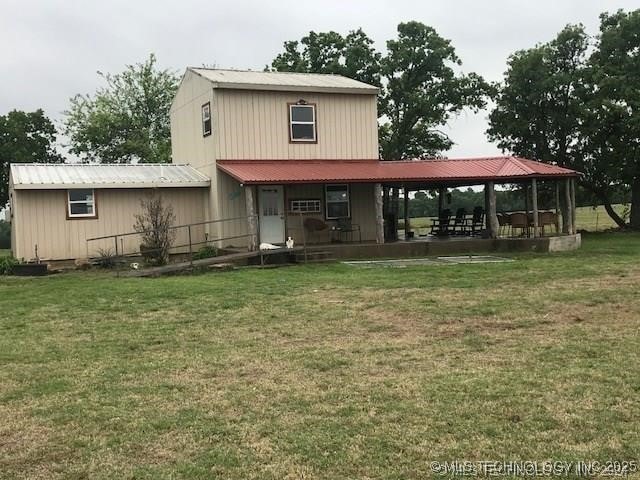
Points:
point(257, 157)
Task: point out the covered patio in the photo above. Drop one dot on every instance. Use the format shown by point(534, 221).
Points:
point(368, 179)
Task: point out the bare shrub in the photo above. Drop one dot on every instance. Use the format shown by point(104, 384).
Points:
point(154, 226)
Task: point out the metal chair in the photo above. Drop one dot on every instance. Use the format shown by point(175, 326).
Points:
point(345, 226)
point(459, 222)
point(476, 223)
point(440, 225)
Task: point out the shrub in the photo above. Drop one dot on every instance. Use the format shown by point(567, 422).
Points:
point(106, 258)
point(207, 251)
point(7, 264)
point(154, 226)
point(5, 234)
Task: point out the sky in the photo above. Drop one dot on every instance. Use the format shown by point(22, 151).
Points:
point(51, 50)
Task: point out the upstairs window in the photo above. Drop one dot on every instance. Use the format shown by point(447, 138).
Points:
point(337, 201)
point(81, 203)
point(302, 123)
point(206, 119)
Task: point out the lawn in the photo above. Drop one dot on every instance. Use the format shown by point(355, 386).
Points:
point(324, 371)
point(5, 252)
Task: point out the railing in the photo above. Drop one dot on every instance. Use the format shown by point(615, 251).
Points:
point(187, 237)
point(194, 235)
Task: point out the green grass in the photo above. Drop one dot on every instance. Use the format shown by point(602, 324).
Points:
point(587, 218)
point(5, 252)
point(322, 372)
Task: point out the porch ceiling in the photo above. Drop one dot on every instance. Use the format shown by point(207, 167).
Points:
point(450, 171)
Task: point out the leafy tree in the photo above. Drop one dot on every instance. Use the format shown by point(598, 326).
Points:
point(420, 88)
point(25, 137)
point(352, 56)
point(126, 121)
point(613, 127)
point(540, 109)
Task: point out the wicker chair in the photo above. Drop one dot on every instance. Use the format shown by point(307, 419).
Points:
point(547, 218)
point(314, 225)
point(519, 220)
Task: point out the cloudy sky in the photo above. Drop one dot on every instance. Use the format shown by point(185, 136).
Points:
point(51, 50)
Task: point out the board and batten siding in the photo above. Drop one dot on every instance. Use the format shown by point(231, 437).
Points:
point(41, 219)
point(362, 213)
point(255, 125)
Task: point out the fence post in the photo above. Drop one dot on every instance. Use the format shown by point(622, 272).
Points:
point(115, 238)
point(190, 246)
point(304, 238)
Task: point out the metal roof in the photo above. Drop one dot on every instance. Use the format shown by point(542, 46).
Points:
point(80, 175)
point(451, 171)
point(284, 81)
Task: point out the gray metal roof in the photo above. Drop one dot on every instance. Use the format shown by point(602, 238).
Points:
point(78, 175)
point(284, 81)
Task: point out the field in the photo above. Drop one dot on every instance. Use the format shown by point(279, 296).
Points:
point(4, 252)
point(587, 218)
point(322, 372)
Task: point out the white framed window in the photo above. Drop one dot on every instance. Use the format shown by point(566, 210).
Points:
point(81, 203)
point(206, 119)
point(337, 203)
point(305, 206)
point(302, 123)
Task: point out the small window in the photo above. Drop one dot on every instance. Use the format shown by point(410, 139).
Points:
point(337, 201)
point(302, 123)
point(81, 203)
point(305, 206)
point(206, 119)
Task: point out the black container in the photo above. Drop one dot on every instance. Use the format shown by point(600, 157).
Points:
point(29, 269)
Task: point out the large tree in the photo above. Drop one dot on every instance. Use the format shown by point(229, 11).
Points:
point(417, 74)
point(613, 103)
point(25, 137)
point(128, 119)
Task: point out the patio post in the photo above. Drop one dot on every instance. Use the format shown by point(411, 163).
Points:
point(573, 206)
point(534, 203)
point(252, 220)
point(377, 198)
point(525, 187)
point(407, 224)
point(569, 220)
point(441, 194)
point(492, 216)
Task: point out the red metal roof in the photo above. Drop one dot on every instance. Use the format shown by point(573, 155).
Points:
point(466, 170)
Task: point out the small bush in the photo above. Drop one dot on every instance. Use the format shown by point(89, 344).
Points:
point(5, 234)
point(207, 251)
point(106, 258)
point(7, 264)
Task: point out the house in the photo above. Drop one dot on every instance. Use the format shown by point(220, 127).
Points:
point(256, 155)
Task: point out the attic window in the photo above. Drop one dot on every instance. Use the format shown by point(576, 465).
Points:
point(81, 204)
point(302, 122)
point(206, 119)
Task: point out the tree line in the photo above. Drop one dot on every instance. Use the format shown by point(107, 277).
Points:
point(573, 101)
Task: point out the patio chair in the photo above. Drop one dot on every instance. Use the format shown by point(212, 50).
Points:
point(344, 226)
point(476, 223)
point(459, 222)
point(503, 223)
point(547, 218)
point(440, 225)
point(314, 225)
point(519, 220)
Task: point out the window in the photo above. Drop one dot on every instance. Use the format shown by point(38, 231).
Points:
point(302, 123)
point(337, 201)
point(305, 206)
point(81, 203)
point(206, 119)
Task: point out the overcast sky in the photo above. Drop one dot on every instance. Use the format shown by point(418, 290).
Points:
point(51, 50)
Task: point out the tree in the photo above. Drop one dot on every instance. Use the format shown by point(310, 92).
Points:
point(420, 89)
point(25, 137)
point(126, 121)
point(614, 103)
point(154, 226)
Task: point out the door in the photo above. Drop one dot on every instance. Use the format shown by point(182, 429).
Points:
point(271, 204)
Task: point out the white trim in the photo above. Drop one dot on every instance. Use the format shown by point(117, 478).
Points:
point(298, 122)
point(70, 202)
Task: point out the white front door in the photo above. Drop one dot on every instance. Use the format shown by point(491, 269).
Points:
point(271, 205)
